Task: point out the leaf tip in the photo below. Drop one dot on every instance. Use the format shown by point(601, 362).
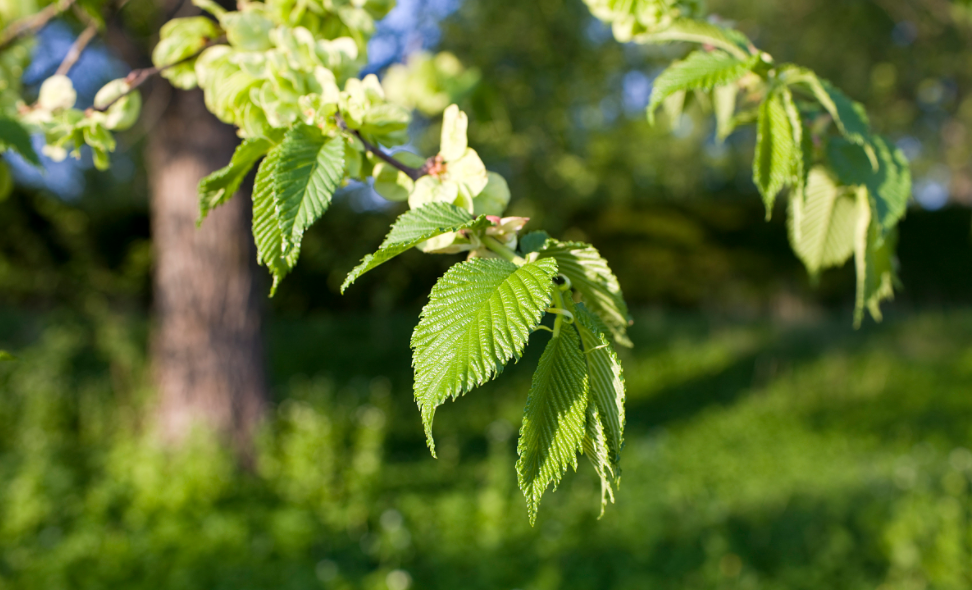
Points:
point(427, 415)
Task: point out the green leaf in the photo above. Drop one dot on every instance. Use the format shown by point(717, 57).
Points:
point(219, 187)
point(797, 169)
point(777, 146)
point(606, 382)
point(13, 136)
point(6, 356)
point(822, 222)
point(595, 447)
point(850, 116)
point(533, 241)
point(454, 126)
point(310, 168)
point(875, 261)
point(555, 419)
point(591, 276)
point(673, 106)
point(414, 227)
point(179, 39)
point(701, 32)
point(889, 183)
point(479, 316)
point(724, 105)
point(700, 70)
point(266, 224)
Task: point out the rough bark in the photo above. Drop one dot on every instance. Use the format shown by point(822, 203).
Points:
point(207, 351)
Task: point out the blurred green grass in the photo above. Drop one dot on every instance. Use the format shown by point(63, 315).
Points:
point(758, 455)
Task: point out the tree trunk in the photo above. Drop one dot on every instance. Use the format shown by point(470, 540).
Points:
point(207, 349)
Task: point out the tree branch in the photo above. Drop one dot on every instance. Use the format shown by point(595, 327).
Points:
point(74, 54)
point(136, 78)
point(33, 23)
point(413, 173)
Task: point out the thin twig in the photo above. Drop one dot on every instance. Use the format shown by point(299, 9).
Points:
point(413, 173)
point(136, 78)
point(74, 54)
point(32, 24)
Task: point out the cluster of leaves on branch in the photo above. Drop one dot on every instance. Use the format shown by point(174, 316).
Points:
point(429, 83)
point(848, 187)
point(288, 85)
point(66, 129)
point(284, 73)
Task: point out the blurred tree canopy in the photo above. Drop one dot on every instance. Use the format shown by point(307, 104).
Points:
point(559, 110)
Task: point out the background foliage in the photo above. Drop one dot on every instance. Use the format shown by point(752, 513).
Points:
point(757, 457)
point(785, 454)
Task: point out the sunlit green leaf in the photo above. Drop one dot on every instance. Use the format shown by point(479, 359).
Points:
point(700, 70)
point(701, 32)
point(889, 184)
point(310, 168)
point(555, 418)
point(822, 222)
point(219, 187)
point(724, 105)
point(591, 276)
point(777, 145)
point(850, 116)
point(479, 316)
point(266, 225)
point(606, 382)
point(413, 227)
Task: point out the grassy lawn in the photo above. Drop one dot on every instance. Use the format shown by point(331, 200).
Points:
point(758, 455)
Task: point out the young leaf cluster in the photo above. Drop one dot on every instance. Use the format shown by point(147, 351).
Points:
point(847, 186)
point(480, 316)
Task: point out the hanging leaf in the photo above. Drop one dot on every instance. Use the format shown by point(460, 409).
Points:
point(889, 183)
point(6, 356)
point(875, 261)
point(595, 447)
point(701, 32)
point(414, 227)
point(219, 187)
point(13, 136)
point(850, 116)
point(822, 222)
point(606, 381)
point(724, 105)
point(777, 145)
point(266, 225)
point(479, 316)
point(673, 105)
point(700, 70)
point(591, 276)
point(555, 418)
point(311, 167)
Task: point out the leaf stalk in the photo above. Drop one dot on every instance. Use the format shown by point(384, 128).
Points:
point(558, 304)
point(494, 245)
